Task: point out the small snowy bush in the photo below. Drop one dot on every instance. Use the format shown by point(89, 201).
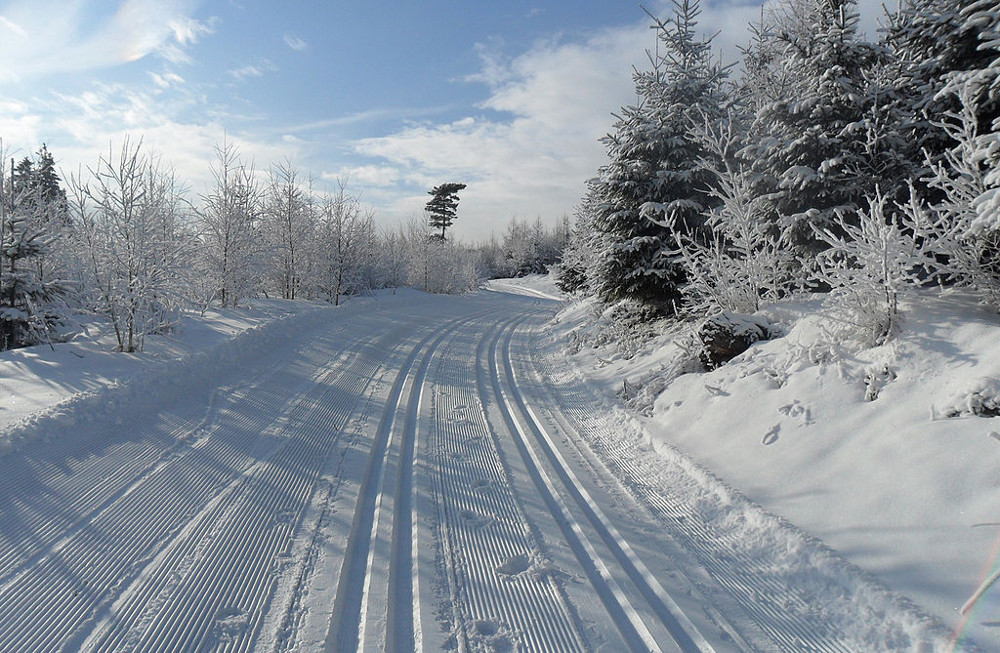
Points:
point(980, 397)
point(869, 264)
point(745, 262)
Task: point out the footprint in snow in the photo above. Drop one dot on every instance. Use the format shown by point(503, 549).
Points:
point(514, 565)
point(482, 486)
point(473, 519)
point(492, 635)
point(230, 623)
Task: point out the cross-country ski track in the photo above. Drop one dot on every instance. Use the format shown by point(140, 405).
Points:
point(403, 474)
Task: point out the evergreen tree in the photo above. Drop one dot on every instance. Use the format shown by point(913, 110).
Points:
point(653, 187)
point(582, 250)
point(934, 47)
point(811, 150)
point(29, 306)
point(443, 205)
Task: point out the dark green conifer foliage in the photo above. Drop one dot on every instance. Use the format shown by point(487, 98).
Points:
point(443, 206)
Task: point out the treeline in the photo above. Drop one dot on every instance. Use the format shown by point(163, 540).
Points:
point(828, 163)
point(124, 239)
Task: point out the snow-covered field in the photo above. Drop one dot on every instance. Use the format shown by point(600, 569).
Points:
point(413, 471)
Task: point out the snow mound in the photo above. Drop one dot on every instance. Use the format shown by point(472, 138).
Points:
point(113, 382)
point(847, 442)
point(980, 397)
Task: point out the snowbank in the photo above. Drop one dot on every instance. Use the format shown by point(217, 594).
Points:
point(44, 392)
point(886, 455)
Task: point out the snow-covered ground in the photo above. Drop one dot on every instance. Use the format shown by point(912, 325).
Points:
point(414, 471)
point(903, 485)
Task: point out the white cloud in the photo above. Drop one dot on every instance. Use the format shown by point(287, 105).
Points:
point(366, 176)
point(11, 28)
point(166, 79)
point(294, 42)
point(259, 69)
point(555, 103)
point(56, 41)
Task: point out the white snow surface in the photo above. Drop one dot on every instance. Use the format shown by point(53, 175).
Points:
point(766, 505)
point(904, 486)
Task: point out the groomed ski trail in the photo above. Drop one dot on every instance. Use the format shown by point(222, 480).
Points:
point(403, 477)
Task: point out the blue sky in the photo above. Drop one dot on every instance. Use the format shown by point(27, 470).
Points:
point(393, 98)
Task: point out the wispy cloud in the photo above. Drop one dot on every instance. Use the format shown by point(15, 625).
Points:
point(166, 79)
point(371, 115)
point(259, 69)
point(79, 37)
point(10, 28)
point(294, 42)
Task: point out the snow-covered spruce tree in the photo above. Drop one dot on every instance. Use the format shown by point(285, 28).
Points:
point(230, 229)
point(933, 45)
point(978, 91)
point(582, 250)
point(31, 306)
point(43, 202)
point(808, 147)
point(652, 186)
point(743, 261)
point(130, 221)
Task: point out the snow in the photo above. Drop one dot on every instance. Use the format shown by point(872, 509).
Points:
point(43, 388)
point(880, 511)
point(903, 486)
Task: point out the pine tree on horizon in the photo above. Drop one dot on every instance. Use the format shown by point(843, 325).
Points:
point(443, 205)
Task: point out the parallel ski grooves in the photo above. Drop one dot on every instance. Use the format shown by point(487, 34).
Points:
point(776, 608)
point(483, 529)
point(353, 593)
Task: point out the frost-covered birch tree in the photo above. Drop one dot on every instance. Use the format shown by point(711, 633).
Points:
point(230, 229)
point(287, 230)
point(345, 240)
point(130, 220)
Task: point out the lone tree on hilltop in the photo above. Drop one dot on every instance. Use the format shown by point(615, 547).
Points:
point(443, 205)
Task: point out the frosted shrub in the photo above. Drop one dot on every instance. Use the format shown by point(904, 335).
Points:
point(967, 219)
point(745, 262)
point(869, 264)
point(130, 218)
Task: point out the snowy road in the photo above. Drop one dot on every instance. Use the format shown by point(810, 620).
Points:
point(402, 476)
